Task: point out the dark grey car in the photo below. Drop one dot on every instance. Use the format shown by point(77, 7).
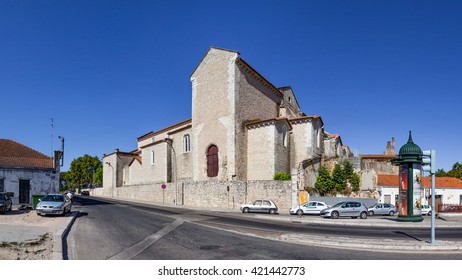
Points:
point(351, 209)
point(5, 203)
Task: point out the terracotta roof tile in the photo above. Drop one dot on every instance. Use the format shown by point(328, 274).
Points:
point(441, 182)
point(16, 155)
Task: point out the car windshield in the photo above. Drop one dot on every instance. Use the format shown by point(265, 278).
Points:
point(338, 204)
point(373, 205)
point(58, 198)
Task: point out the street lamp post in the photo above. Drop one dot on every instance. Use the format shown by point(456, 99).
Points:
point(92, 170)
point(168, 141)
point(112, 180)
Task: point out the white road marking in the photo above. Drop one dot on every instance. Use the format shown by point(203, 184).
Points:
point(138, 248)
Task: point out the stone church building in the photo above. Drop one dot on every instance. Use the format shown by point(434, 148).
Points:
point(243, 130)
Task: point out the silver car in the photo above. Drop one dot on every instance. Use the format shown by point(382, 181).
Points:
point(351, 209)
point(312, 207)
point(260, 206)
point(54, 204)
point(381, 209)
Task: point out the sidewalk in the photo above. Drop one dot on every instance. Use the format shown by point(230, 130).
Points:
point(30, 236)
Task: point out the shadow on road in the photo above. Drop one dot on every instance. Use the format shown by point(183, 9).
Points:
point(405, 234)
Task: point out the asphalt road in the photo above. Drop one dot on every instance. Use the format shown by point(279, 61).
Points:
point(107, 229)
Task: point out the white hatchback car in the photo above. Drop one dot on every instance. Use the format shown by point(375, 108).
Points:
point(426, 210)
point(260, 206)
point(311, 207)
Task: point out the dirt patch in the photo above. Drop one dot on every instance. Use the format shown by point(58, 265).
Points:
point(40, 249)
point(15, 246)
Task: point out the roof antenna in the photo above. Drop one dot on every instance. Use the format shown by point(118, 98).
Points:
point(52, 127)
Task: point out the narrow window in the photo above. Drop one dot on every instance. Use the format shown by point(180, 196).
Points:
point(186, 143)
point(152, 157)
point(212, 161)
point(284, 138)
point(318, 138)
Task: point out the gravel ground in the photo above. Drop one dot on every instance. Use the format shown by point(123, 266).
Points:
point(26, 236)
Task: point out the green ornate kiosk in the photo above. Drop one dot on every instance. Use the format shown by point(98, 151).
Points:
point(409, 161)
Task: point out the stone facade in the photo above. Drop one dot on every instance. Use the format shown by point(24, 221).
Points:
point(270, 146)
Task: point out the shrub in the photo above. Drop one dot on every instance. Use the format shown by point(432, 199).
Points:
point(281, 176)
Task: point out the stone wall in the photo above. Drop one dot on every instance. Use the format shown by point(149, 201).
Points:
point(255, 100)
point(207, 194)
point(260, 160)
point(213, 97)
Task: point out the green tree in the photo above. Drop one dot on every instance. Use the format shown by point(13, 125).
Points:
point(456, 171)
point(348, 169)
point(339, 178)
point(440, 173)
point(324, 184)
point(354, 181)
point(83, 170)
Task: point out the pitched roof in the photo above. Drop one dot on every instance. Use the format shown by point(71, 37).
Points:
point(383, 157)
point(440, 182)
point(256, 122)
point(174, 126)
point(306, 118)
point(16, 155)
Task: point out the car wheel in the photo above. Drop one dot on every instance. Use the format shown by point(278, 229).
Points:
point(272, 211)
point(371, 213)
point(429, 213)
point(246, 210)
point(334, 215)
point(392, 213)
point(363, 215)
point(299, 212)
point(11, 208)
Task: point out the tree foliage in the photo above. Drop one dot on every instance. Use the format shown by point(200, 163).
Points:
point(324, 184)
point(339, 178)
point(84, 171)
point(343, 180)
point(455, 172)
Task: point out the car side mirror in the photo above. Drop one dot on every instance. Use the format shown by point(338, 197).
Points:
point(343, 206)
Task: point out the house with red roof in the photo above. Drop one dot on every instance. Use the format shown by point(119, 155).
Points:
point(25, 171)
point(448, 190)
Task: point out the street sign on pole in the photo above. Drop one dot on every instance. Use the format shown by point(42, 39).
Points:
point(429, 165)
point(163, 193)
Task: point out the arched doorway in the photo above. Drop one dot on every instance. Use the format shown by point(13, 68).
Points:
point(212, 161)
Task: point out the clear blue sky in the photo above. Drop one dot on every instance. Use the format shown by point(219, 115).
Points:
point(110, 71)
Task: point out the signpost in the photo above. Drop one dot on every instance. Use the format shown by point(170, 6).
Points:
point(163, 193)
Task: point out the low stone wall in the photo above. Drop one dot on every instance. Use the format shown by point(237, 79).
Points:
point(207, 194)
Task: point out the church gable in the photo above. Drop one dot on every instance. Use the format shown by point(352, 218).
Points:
point(289, 107)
